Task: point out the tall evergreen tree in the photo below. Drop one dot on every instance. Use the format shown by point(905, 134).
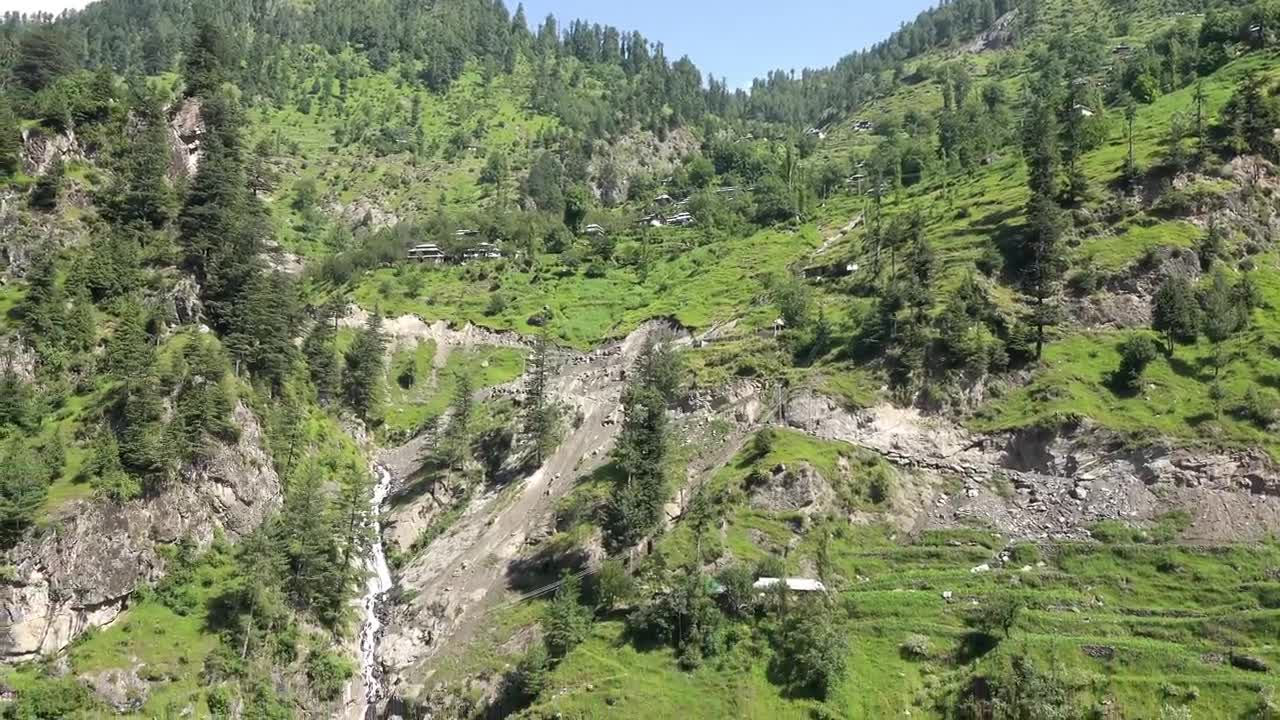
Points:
point(1042, 263)
point(1222, 315)
point(635, 506)
point(44, 196)
point(456, 444)
point(542, 415)
point(203, 406)
point(10, 140)
point(362, 377)
point(43, 310)
point(106, 472)
point(22, 490)
point(320, 350)
point(140, 192)
point(1174, 312)
point(207, 59)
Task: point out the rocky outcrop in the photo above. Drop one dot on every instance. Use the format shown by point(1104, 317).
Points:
point(80, 573)
point(639, 153)
point(799, 489)
point(182, 304)
point(186, 128)
point(364, 214)
point(1055, 483)
point(40, 148)
point(122, 689)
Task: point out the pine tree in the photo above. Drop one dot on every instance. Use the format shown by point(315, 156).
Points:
point(456, 443)
point(203, 406)
point(568, 620)
point(206, 61)
point(44, 196)
point(105, 471)
point(309, 544)
point(1251, 115)
point(144, 444)
point(256, 600)
point(22, 490)
point(262, 177)
point(140, 192)
point(322, 360)
point(130, 353)
point(10, 140)
point(362, 377)
point(1199, 99)
point(1041, 254)
point(542, 414)
point(635, 506)
point(352, 512)
point(1222, 316)
point(16, 400)
point(43, 310)
point(1174, 312)
point(1043, 265)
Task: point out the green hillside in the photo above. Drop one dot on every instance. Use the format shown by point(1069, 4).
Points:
point(1010, 215)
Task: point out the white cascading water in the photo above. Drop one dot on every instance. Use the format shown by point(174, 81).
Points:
point(378, 584)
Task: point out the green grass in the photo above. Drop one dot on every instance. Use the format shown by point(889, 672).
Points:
point(1173, 400)
point(697, 288)
point(418, 392)
point(1164, 611)
point(166, 647)
point(1115, 252)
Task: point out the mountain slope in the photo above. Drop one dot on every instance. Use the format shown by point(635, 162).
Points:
point(974, 328)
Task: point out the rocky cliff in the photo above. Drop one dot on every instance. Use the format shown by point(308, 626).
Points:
point(80, 573)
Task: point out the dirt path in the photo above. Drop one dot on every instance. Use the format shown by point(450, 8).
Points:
point(460, 576)
point(840, 234)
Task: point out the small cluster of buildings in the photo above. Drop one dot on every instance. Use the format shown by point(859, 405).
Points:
point(673, 213)
point(680, 219)
point(432, 254)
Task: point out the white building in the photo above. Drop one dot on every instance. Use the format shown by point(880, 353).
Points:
point(427, 253)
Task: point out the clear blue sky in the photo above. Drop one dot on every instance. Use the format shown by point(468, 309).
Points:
point(743, 39)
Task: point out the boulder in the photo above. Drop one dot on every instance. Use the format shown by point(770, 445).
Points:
point(801, 488)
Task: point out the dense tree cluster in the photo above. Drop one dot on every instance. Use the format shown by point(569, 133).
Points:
point(641, 452)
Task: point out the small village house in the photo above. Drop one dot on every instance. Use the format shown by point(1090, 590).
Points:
point(427, 253)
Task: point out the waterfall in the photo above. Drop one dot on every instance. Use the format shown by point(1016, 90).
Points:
point(376, 586)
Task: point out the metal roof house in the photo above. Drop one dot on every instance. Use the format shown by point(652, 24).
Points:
point(681, 219)
point(593, 229)
point(427, 253)
point(482, 251)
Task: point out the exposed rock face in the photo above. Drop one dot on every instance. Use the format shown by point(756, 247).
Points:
point(364, 214)
point(123, 690)
point(186, 128)
point(182, 305)
point(639, 153)
point(1042, 484)
point(41, 148)
point(800, 489)
point(80, 574)
point(18, 358)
